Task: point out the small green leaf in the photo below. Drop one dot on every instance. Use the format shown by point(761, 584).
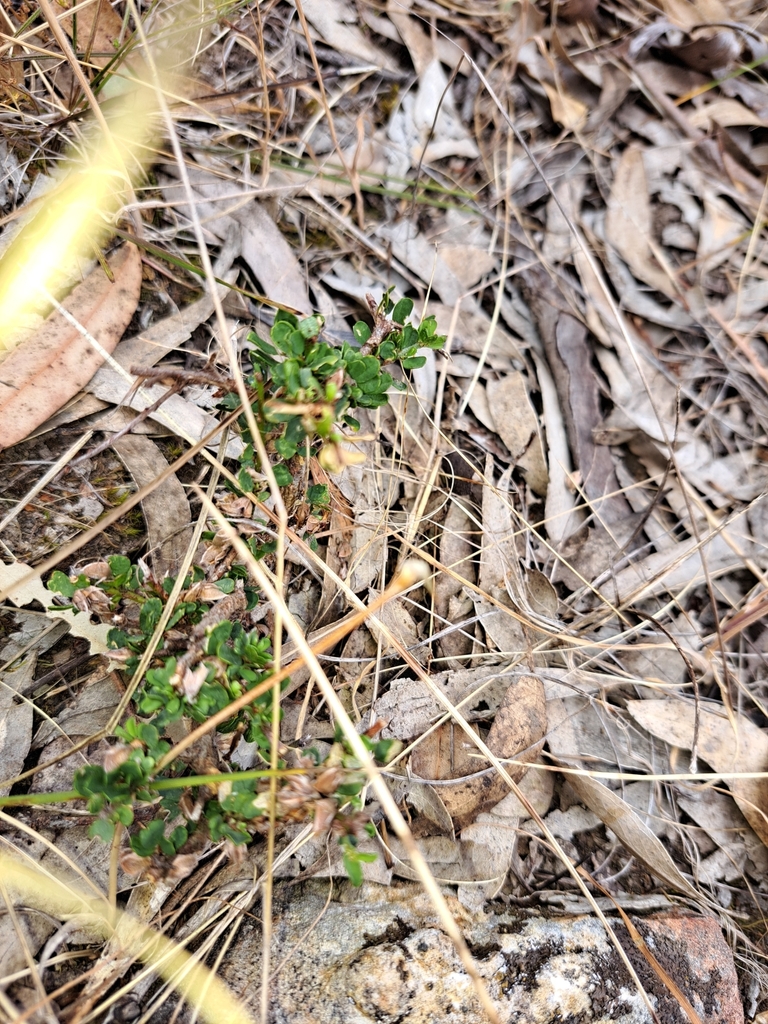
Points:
point(402, 311)
point(414, 363)
point(285, 448)
point(119, 564)
point(280, 333)
point(60, 583)
point(311, 326)
point(363, 369)
point(225, 585)
point(150, 614)
point(282, 475)
point(318, 495)
point(362, 332)
point(146, 840)
point(102, 829)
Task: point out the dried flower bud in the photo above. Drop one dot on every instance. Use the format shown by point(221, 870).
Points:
point(97, 571)
point(192, 681)
point(328, 781)
point(115, 756)
point(325, 812)
point(132, 863)
point(92, 601)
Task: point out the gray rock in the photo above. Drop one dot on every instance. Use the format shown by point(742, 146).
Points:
point(378, 954)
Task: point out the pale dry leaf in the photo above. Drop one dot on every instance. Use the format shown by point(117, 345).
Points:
point(489, 843)
point(688, 15)
point(457, 550)
point(362, 521)
point(725, 113)
point(537, 786)
point(499, 555)
point(147, 348)
point(542, 596)
point(636, 837)
point(568, 824)
point(561, 517)
point(500, 573)
point(586, 729)
point(397, 617)
point(443, 854)
point(684, 566)
point(567, 111)
point(223, 204)
point(721, 821)
point(517, 425)
point(720, 230)
point(428, 802)
point(489, 846)
point(559, 242)
point(466, 246)
point(15, 720)
point(422, 259)
point(725, 745)
point(409, 709)
point(47, 369)
point(426, 127)
point(336, 22)
point(629, 220)
point(478, 399)
point(79, 624)
point(418, 42)
point(89, 712)
point(406, 420)
point(165, 508)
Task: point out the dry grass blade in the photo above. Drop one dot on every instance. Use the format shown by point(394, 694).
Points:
point(210, 997)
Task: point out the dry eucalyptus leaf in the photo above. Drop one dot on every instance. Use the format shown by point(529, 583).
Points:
point(629, 220)
point(576, 10)
point(166, 509)
point(409, 709)
point(99, 28)
point(638, 839)
point(457, 551)
point(727, 746)
point(542, 596)
point(15, 720)
point(517, 425)
point(45, 370)
point(517, 732)
point(720, 821)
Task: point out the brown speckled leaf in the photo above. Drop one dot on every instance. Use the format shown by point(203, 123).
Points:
point(51, 366)
point(517, 732)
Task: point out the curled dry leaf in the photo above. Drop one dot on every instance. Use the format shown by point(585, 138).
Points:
point(738, 746)
point(43, 372)
point(517, 732)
